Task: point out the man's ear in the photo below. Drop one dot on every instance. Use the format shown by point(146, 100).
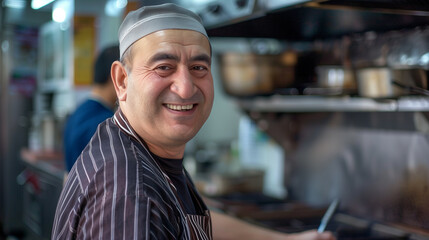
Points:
point(120, 80)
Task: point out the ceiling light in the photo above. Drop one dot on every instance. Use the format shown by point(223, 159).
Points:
point(121, 3)
point(18, 4)
point(114, 7)
point(62, 10)
point(59, 15)
point(36, 4)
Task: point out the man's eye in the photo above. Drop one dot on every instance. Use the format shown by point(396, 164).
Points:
point(199, 68)
point(163, 68)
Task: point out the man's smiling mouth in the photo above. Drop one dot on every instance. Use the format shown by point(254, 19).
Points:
point(179, 107)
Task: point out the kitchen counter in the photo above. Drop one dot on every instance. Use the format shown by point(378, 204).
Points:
point(42, 181)
point(292, 216)
point(48, 162)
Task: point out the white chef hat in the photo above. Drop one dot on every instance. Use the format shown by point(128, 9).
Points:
point(149, 19)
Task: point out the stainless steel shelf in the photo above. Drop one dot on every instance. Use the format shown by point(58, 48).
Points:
point(333, 104)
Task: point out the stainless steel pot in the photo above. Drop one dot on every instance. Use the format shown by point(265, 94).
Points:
point(335, 77)
point(376, 83)
point(247, 74)
point(384, 82)
point(244, 74)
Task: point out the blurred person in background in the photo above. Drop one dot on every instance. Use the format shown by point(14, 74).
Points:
point(100, 105)
point(129, 182)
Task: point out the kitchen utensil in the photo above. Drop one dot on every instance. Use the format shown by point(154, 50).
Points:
point(244, 74)
point(376, 83)
point(386, 82)
point(331, 209)
point(411, 80)
point(413, 77)
point(411, 89)
point(248, 74)
point(332, 80)
point(335, 77)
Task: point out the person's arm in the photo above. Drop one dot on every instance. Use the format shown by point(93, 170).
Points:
point(227, 227)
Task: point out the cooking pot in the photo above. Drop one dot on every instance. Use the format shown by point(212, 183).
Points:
point(335, 76)
point(248, 74)
point(376, 83)
point(338, 78)
point(385, 82)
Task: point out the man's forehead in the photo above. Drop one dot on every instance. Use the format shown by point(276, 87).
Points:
point(162, 56)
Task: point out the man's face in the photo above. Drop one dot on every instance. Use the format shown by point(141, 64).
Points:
point(169, 92)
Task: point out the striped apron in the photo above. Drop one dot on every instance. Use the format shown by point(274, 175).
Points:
point(198, 226)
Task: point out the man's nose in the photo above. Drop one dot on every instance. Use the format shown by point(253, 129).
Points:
point(183, 84)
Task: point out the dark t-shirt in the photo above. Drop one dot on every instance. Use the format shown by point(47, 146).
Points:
point(174, 169)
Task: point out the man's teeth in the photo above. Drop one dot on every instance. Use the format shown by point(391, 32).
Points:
point(180, 107)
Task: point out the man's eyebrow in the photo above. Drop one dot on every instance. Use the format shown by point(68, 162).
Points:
point(202, 57)
point(163, 56)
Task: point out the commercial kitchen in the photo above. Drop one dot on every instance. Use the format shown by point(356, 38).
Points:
point(317, 103)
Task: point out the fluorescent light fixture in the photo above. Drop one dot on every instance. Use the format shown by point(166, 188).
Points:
point(18, 4)
point(36, 4)
point(121, 3)
point(59, 15)
point(62, 10)
point(114, 7)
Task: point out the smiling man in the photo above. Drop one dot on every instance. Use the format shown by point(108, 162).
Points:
point(129, 181)
point(167, 92)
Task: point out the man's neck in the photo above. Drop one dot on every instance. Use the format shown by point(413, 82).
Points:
point(100, 95)
point(171, 153)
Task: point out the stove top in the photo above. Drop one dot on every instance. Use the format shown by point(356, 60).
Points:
point(344, 227)
point(291, 217)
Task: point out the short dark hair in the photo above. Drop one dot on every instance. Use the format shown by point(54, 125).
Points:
point(103, 64)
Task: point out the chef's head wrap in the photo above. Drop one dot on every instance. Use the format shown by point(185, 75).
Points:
point(150, 19)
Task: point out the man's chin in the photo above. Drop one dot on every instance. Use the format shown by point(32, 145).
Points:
point(182, 137)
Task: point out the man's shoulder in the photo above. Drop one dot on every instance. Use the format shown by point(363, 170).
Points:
point(111, 152)
point(124, 174)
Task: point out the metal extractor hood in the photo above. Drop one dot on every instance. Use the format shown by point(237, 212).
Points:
point(310, 20)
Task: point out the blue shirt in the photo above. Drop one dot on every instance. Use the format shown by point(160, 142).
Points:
point(80, 127)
